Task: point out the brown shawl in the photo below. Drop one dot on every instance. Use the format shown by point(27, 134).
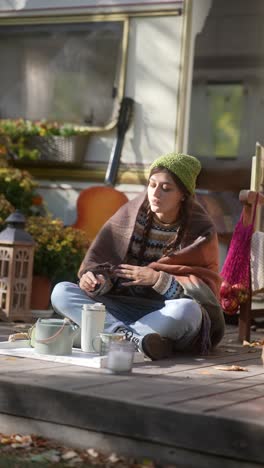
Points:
point(198, 257)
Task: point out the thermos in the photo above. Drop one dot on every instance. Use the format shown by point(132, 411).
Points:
point(93, 319)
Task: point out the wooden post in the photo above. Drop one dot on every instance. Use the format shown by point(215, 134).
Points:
point(248, 198)
point(245, 318)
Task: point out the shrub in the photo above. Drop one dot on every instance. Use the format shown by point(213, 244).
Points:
point(59, 250)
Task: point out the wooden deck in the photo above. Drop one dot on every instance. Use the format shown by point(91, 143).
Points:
point(185, 411)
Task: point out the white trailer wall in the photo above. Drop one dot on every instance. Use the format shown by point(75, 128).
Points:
point(153, 73)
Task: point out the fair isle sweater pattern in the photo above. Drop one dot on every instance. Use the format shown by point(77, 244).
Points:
point(159, 236)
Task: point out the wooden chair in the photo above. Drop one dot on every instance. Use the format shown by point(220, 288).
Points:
point(253, 307)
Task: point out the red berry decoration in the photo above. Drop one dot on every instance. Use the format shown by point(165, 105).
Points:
point(230, 305)
point(241, 292)
point(225, 289)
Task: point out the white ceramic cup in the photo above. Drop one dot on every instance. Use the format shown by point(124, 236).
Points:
point(93, 319)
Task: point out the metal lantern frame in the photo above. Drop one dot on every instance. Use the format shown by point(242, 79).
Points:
point(16, 269)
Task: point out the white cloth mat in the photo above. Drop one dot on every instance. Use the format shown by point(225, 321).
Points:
point(21, 348)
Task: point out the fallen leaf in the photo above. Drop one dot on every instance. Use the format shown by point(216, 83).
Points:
point(39, 458)
point(92, 453)
point(231, 368)
point(5, 440)
point(20, 446)
point(254, 344)
point(69, 455)
point(47, 456)
point(53, 452)
point(113, 458)
point(246, 343)
point(75, 461)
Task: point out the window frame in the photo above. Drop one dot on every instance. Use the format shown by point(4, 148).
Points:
point(210, 83)
point(23, 21)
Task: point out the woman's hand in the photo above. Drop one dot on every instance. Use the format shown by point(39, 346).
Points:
point(137, 275)
point(89, 281)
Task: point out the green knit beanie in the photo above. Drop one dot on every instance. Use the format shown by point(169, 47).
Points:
point(183, 166)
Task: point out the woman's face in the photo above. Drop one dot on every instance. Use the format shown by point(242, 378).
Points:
point(164, 196)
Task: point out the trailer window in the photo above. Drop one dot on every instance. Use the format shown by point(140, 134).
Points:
point(216, 119)
point(61, 72)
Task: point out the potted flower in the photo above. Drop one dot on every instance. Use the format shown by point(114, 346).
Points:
point(58, 254)
point(5, 210)
point(44, 140)
point(20, 190)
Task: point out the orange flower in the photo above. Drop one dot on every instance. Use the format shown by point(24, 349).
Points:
point(37, 200)
point(3, 149)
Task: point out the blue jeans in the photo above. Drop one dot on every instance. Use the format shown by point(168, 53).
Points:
point(177, 319)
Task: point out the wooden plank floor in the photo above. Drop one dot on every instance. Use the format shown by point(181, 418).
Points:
point(195, 413)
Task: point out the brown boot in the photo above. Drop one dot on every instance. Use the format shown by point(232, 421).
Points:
point(156, 347)
point(152, 345)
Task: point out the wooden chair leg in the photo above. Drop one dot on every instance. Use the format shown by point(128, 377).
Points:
point(244, 321)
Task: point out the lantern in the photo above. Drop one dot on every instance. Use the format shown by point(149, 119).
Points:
point(16, 265)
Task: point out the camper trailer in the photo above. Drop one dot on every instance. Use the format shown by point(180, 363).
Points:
point(139, 78)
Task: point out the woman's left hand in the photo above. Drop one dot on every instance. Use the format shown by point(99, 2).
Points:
point(137, 275)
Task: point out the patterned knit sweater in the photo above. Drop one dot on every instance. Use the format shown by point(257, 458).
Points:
point(159, 236)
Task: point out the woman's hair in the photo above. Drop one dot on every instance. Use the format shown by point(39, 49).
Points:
point(184, 215)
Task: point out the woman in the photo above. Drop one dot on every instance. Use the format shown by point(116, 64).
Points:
point(154, 265)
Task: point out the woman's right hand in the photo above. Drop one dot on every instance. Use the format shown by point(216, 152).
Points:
point(89, 281)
